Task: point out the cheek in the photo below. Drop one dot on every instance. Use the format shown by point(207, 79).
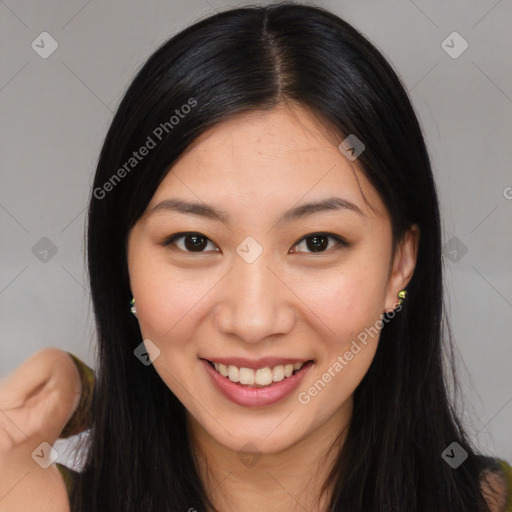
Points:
point(346, 303)
point(165, 300)
point(165, 310)
point(351, 308)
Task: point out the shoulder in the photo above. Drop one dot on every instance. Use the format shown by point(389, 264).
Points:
point(36, 489)
point(496, 483)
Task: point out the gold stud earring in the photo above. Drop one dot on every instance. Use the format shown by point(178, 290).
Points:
point(401, 295)
point(132, 307)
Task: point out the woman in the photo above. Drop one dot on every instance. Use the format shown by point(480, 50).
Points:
point(265, 267)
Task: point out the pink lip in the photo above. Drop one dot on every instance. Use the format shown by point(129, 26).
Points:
point(252, 396)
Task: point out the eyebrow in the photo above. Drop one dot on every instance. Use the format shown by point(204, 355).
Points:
point(294, 214)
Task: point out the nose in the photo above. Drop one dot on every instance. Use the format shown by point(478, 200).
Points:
point(254, 302)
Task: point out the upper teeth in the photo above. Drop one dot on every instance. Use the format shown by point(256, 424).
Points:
point(261, 376)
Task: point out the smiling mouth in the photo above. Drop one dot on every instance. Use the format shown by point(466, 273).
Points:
point(260, 378)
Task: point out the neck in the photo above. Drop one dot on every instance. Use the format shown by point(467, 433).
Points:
point(286, 481)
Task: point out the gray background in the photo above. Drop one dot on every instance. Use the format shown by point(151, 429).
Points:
point(55, 113)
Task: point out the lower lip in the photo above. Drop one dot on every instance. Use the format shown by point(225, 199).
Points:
point(252, 396)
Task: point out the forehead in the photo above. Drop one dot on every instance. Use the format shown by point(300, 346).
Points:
point(283, 156)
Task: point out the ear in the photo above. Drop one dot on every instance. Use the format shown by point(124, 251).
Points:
point(403, 266)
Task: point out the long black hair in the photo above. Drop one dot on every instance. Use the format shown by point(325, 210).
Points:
point(240, 60)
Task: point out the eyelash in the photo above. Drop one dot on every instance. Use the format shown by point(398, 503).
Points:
point(340, 241)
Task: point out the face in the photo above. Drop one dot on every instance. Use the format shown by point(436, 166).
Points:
point(253, 288)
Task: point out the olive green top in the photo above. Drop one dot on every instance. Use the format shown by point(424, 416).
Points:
point(81, 420)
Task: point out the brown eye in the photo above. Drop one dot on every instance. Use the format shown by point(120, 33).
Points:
point(192, 242)
point(319, 242)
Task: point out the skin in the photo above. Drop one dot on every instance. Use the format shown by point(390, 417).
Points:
point(39, 397)
point(36, 401)
point(302, 304)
